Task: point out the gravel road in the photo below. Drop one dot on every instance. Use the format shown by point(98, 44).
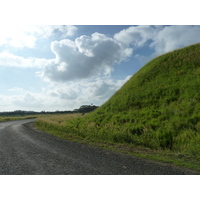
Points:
point(28, 151)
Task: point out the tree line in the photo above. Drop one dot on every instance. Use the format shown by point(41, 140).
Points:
point(83, 109)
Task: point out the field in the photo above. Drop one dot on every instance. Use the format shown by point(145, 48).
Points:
point(10, 118)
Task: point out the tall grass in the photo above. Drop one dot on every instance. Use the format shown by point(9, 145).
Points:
point(57, 124)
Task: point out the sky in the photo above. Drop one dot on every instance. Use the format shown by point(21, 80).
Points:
point(61, 67)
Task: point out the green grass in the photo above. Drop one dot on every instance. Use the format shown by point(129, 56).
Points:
point(157, 110)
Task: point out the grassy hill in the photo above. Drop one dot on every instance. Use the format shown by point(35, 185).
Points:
point(157, 108)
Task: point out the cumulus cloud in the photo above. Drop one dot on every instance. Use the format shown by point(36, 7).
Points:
point(95, 91)
point(85, 57)
point(103, 88)
point(26, 36)
point(136, 35)
point(160, 38)
point(173, 37)
point(152, 41)
point(62, 96)
point(66, 93)
point(48, 30)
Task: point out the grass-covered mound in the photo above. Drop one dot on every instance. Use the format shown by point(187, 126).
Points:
point(159, 107)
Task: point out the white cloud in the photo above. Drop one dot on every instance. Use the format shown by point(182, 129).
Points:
point(62, 96)
point(136, 35)
point(173, 37)
point(26, 36)
point(157, 39)
point(161, 38)
point(85, 57)
point(67, 96)
point(26, 101)
point(48, 30)
point(4, 102)
point(10, 60)
point(97, 90)
point(103, 88)
point(16, 36)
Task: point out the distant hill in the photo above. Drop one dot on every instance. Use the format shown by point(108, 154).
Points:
point(159, 107)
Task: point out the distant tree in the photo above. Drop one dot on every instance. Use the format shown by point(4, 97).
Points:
point(87, 108)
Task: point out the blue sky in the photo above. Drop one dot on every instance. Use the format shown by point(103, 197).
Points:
point(63, 67)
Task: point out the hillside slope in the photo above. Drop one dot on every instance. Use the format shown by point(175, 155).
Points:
point(157, 108)
point(157, 111)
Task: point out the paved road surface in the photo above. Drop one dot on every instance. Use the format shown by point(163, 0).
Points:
point(24, 150)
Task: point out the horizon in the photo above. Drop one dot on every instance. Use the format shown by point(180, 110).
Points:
point(47, 111)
